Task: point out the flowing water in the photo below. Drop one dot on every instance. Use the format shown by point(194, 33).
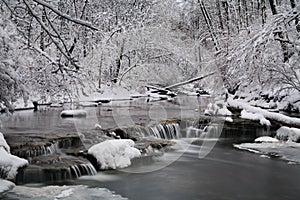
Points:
point(202, 165)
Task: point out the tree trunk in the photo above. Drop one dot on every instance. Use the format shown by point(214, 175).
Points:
point(119, 59)
point(293, 3)
point(246, 14)
point(263, 11)
point(42, 34)
point(273, 7)
point(209, 24)
point(283, 44)
point(219, 15)
point(226, 8)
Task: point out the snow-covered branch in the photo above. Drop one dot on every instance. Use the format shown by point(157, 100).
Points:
point(74, 20)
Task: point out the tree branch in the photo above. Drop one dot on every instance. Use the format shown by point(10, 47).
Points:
point(74, 20)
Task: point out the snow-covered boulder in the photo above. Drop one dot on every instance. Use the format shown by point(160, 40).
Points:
point(288, 134)
point(3, 143)
point(112, 154)
point(266, 139)
point(9, 164)
point(5, 186)
point(73, 113)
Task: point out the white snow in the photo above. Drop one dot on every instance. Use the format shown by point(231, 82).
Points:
point(266, 114)
point(9, 164)
point(266, 139)
point(62, 192)
point(112, 154)
point(214, 109)
point(73, 113)
point(3, 143)
point(109, 93)
point(5, 186)
point(288, 134)
point(269, 146)
point(255, 116)
point(88, 104)
point(65, 193)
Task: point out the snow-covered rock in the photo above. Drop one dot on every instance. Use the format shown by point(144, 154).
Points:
point(288, 134)
point(112, 154)
point(9, 164)
point(214, 109)
point(73, 113)
point(3, 143)
point(266, 139)
point(5, 186)
point(255, 116)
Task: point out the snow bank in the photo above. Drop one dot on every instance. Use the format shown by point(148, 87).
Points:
point(9, 164)
point(112, 154)
point(109, 93)
point(214, 109)
point(266, 114)
point(62, 193)
point(255, 116)
point(266, 139)
point(73, 113)
point(288, 134)
point(5, 186)
point(3, 143)
point(285, 150)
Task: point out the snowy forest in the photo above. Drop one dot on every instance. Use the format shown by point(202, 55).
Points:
point(64, 49)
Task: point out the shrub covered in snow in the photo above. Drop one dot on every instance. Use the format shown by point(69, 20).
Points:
point(112, 154)
point(288, 134)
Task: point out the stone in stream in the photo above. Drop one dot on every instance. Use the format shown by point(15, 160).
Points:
point(73, 113)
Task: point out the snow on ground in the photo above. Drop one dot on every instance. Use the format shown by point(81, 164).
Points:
point(5, 186)
point(255, 116)
point(266, 139)
point(266, 114)
point(109, 93)
point(62, 193)
point(73, 113)
point(269, 146)
point(112, 154)
point(288, 134)
point(9, 164)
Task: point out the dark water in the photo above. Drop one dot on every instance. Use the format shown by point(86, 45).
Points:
point(225, 173)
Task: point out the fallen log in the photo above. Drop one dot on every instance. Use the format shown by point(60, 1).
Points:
point(167, 90)
point(271, 116)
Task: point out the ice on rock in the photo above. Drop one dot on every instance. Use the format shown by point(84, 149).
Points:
point(112, 154)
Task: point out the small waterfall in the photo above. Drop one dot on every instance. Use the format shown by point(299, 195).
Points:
point(34, 151)
point(82, 169)
point(161, 131)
